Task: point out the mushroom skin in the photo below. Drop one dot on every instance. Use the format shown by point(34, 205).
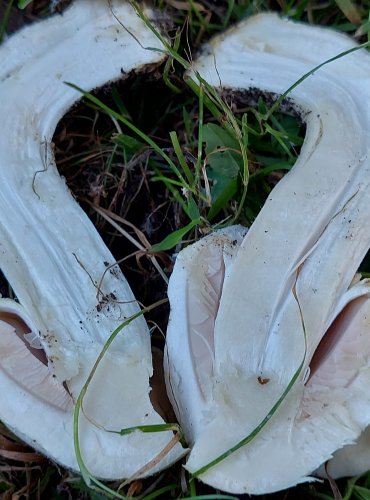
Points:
point(54, 259)
point(290, 278)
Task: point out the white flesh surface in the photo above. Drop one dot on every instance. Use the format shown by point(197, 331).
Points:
point(292, 274)
point(54, 258)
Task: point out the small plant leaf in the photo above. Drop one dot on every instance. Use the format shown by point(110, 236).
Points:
point(174, 238)
point(192, 209)
point(22, 4)
point(224, 165)
point(217, 137)
point(130, 144)
point(222, 192)
point(148, 428)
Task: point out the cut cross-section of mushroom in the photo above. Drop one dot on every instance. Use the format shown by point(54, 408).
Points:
point(54, 259)
point(292, 275)
point(333, 391)
point(194, 291)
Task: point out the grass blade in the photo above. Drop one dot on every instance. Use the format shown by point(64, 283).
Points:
point(4, 21)
point(174, 238)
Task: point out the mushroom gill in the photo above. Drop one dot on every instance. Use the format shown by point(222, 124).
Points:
point(27, 365)
point(194, 291)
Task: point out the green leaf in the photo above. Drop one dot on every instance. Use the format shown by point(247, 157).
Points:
point(361, 493)
point(216, 137)
point(5, 19)
point(224, 165)
point(22, 4)
point(148, 429)
point(181, 157)
point(222, 192)
point(273, 167)
point(192, 209)
point(161, 491)
point(130, 144)
point(174, 238)
point(119, 103)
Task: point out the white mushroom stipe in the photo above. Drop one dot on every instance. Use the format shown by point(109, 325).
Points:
point(289, 281)
point(54, 259)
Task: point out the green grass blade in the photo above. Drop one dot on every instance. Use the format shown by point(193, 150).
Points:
point(148, 428)
point(169, 64)
point(208, 102)
point(278, 102)
point(200, 133)
point(174, 238)
point(256, 430)
point(22, 4)
point(230, 8)
point(152, 428)
point(274, 408)
point(271, 168)
point(5, 19)
point(160, 492)
point(181, 158)
point(132, 127)
point(280, 138)
point(170, 183)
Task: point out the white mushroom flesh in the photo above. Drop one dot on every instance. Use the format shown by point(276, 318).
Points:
point(291, 276)
point(54, 259)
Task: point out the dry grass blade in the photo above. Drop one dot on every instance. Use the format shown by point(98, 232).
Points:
point(152, 463)
point(334, 487)
point(349, 10)
point(111, 217)
point(17, 468)
point(22, 456)
point(144, 248)
point(186, 5)
point(17, 451)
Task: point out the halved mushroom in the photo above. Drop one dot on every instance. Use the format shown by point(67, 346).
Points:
point(194, 291)
point(54, 259)
point(289, 281)
point(333, 395)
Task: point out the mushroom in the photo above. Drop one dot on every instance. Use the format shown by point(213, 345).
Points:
point(256, 419)
point(54, 258)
